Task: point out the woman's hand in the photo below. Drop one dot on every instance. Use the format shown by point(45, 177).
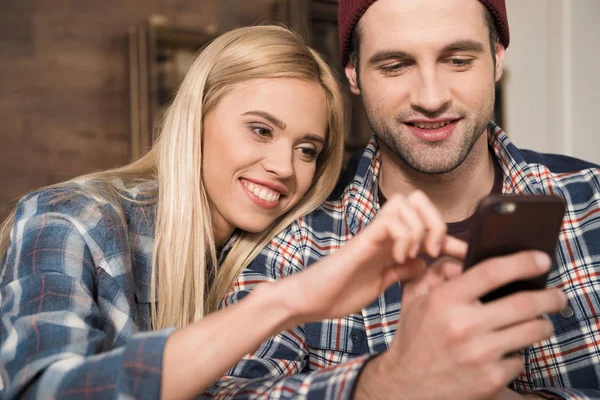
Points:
point(383, 253)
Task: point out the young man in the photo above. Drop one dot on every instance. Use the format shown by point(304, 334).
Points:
point(426, 71)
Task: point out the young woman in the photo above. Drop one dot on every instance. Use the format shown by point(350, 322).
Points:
point(109, 282)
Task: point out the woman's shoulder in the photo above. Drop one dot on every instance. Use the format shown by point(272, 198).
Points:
point(85, 205)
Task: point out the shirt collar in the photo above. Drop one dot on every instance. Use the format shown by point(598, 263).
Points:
point(517, 173)
point(362, 194)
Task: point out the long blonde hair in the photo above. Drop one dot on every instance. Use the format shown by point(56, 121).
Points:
point(184, 253)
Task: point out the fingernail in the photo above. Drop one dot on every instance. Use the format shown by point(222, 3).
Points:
point(542, 260)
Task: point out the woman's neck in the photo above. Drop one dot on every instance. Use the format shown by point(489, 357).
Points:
point(222, 229)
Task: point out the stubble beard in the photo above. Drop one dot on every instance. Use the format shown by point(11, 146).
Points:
point(431, 158)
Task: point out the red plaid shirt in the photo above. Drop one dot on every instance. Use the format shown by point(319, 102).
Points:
point(323, 359)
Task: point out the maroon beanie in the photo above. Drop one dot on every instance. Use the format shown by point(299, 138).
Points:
point(350, 11)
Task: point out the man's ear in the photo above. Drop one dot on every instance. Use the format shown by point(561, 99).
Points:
point(352, 77)
point(499, 54)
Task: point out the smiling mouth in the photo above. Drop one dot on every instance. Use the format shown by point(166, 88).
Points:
point(262, 192)
point(430, 125)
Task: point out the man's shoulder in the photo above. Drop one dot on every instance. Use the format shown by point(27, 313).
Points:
point(576, 180)
point(558, 163)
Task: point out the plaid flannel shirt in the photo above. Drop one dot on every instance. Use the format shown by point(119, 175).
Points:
point(75, 299)
point(323, 359)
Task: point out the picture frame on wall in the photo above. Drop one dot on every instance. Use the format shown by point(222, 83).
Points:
point(159, 57)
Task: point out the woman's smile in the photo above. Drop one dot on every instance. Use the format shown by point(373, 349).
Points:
point(260, 194)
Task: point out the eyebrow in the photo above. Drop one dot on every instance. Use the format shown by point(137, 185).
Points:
point(281, 125)
point(314, 138)
point(277, 122)
point(463, 45)
point(459, 45)
point(387, 55)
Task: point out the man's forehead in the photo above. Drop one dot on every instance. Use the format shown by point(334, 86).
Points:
point(422, 21)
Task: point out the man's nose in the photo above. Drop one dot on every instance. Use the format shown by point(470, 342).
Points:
point(431, 95)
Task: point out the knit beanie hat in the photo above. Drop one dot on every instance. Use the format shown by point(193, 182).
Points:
point(350, 11)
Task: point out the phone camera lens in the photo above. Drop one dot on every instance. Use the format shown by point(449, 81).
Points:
point(506, 207)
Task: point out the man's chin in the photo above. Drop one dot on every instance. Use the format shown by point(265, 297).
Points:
point(433, 163)
point(434, 169)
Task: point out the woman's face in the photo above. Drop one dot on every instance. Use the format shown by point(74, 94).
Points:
point(260, 149)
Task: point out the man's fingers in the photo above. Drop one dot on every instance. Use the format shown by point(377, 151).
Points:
point(436, 274)
point(497, 272)
point(519, 336)
point(510, 367)
point(521, 307)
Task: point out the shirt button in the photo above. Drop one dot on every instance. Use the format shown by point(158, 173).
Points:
point(354, 337)
point(567, 312)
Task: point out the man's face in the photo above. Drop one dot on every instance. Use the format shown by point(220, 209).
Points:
point(427, 78)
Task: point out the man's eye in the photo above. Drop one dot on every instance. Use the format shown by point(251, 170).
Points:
point(393, 67)
point(460, 62)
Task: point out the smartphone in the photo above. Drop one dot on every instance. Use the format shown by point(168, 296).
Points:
point(508, 224)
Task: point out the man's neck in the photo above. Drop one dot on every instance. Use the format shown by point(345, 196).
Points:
point(455, 193)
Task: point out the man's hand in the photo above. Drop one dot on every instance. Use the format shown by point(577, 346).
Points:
point(442, 270)
point(450, 345)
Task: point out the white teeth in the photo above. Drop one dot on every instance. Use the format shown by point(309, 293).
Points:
point(262, 192)
point(433, 125)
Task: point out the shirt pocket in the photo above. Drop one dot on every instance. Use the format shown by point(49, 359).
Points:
point(569, 357)
point(335, 341)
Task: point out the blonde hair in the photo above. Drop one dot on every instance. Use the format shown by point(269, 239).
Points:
point(184, 254)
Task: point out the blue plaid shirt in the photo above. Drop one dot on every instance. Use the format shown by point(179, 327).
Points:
point(323, 359)
point(75, 296)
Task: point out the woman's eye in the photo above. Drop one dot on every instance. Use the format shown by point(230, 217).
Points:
point(309, 153)
point(262, 131)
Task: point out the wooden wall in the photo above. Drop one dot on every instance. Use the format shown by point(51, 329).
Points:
point(64, 91)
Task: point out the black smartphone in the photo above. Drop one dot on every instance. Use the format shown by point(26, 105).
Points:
point(509, 224)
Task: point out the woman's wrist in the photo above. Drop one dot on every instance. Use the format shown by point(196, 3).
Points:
point(273, 307)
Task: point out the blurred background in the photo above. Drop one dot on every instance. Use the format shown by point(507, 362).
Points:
point(82, 83)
